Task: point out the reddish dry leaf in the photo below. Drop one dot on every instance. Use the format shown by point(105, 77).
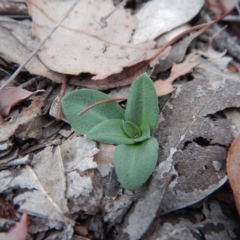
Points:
point(19, 232)
point(81, 230)
point(124, 78)
point(220, 7)
point(232, 69)
point(6, 209)
point(11, 96)
point(165, 87)
point(7, 129)
point(233, 170)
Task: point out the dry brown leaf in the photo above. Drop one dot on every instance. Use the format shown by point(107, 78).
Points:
point(44, 187)
point(218, 7)
point(18, 53)
point(7, 129)
point(12, 96)
point(177, 53)
point(128, 74)
point(81, 230)
point(164, 87)
point(19, 232)
point(81, 44)
point(233, 170)
point(124, 78)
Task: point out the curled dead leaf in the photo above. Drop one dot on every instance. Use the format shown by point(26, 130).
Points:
point(213, 53)
point(124, 78)
point(219, 7)
point(164, 87)
point(11, 96)
point(7, 129)
point(233, 170)
point(19, 232)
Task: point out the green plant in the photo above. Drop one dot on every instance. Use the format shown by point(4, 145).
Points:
point(131, 130)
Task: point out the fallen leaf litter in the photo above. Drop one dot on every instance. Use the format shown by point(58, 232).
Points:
point(62, 183)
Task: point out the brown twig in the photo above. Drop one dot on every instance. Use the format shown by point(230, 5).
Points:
point(61, 94)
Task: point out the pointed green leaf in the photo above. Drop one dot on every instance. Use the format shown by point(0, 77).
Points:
point(76, 101)
point(110, 131)
point(135, 163)
point(131, 129)
point(142, 104)
point(145, 134)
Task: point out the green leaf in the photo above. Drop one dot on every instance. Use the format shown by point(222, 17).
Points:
point(131, 129)
point(145, 134)
point(135, 163)
point(142, 104)
point(110, 131)
point(76, 101)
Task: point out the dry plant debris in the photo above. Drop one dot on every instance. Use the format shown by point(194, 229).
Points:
point(161, 16)
point(196, 147)
point(18, 232)
point(8, 128)
point(10, 97)
point(87, 47)
point(233, 160)
point(219, 7)
point(18, 53)
point(66, 183)
point(21, 30)
point(165, 87)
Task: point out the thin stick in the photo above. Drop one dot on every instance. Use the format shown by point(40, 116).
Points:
point(11, 79)
point(101, 102)
point(103, 20)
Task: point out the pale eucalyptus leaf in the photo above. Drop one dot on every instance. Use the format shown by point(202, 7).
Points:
point(110, 131)
point(73, 103)
point(142, 104)
point(135, 163)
